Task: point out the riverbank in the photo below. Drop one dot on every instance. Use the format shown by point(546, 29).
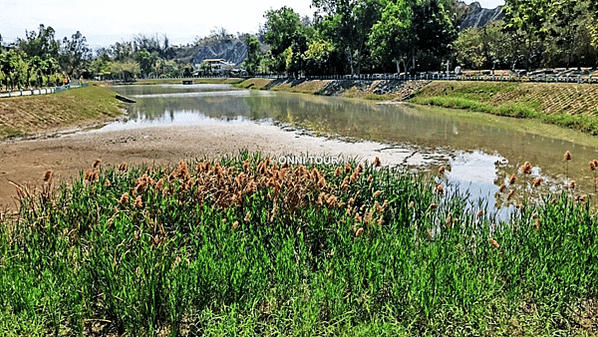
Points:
point(28, 115)
point(568, 105)
point(243, 245)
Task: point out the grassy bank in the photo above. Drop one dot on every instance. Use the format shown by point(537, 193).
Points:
point(39, 113)
point(565, 104)
point(246, 247)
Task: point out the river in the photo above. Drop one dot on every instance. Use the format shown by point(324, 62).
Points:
point(481, 152)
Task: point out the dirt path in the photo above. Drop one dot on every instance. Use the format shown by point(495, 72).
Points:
point(25, 162)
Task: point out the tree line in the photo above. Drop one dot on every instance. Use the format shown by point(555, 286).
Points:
point(369, 36)
point(343, 37)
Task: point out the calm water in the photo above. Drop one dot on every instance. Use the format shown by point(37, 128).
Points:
point(479, 155)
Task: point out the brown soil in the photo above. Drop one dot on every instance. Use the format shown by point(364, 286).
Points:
point(25, 161)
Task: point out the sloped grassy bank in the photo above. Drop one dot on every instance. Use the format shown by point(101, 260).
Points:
point(245, 246)
point(569, 105)
point(40, 113)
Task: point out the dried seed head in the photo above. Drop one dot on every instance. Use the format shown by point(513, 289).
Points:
point(358, 218)
point(429, 233)
point(124, 199)
point(441, 170)
point(377, 193)
point(449, 220)
point(97, 163)
point(572, 184)
point(377, 162)
point(411, 204)
point(48, 175)
point(553, 201)
point(526, 168)
point(567, 156)
point(502, 188)
point(370, 178)
point(235, 224)
point(359, 232)
point(537, 224)
point(494, 243)
point(107, 183)
point(138, 202)
point(581, 198)
point(513, 179)
point(592, 166)
point(538, 181)
point(122, 167)
point(433, 206)
point(440, 189)
point(337, 172)
point(510, 195)
point(595, 161)
point(480, 213)
point(347, 168)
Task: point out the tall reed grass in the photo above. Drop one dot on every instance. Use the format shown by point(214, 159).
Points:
point(243, 246)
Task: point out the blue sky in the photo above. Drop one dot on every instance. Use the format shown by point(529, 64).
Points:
point(108, 21)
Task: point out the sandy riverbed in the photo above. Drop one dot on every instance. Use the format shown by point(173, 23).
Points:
point(25, 161)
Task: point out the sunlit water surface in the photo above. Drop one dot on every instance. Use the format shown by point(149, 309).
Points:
point(479, 156)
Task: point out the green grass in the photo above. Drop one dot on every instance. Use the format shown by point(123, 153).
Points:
point(568, 105)
point(247, 248)
point(254, 83)
point(39, 113)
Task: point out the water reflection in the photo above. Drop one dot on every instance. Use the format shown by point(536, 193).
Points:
point(482, 155)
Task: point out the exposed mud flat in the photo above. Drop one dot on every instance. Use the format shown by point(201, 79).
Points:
point(25, 161)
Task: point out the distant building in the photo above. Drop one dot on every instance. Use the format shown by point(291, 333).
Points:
point(217, 67)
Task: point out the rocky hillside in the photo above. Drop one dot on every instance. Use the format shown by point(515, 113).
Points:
point(230, 49)
point(476, 16)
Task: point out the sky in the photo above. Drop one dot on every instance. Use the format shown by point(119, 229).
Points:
point(106, 22)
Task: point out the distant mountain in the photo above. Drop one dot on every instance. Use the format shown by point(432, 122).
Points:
point(475, 16)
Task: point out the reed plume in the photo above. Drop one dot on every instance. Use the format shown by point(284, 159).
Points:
point(138, 202)
point(512, 180)
point(377, 193)
point(48, 176)
point(449, 220)
point(567, 157)
point(107, 183)
point(480, 213)
point(337, 172)
point(377, 162)
point(97, 163)
point(502, 188)
point(572, 185)
point(537, 181)
point(510, 195)
point(235, 224)
point(124, 199)
point(526, 168)
point(441, 170)
point(348, 168)
point(122, 167)
point(440, 189)
point(494, 243)
point(537, 224)
point(359, 232)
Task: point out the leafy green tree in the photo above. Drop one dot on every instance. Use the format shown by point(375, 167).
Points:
point(284, 29)
point(348, 23)
point(146, 61)
point(205, 68)
point(320, 58)
point(75, 53)
point(391, 36)
point(15, 68)
point(254, 54)
point(41, 44)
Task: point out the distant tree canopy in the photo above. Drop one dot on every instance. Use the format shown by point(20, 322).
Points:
point(344, 37)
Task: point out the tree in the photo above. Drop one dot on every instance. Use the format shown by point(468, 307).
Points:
point(14, 68)
point(41, 44)
point(392, 35)
point(254, 54)
point(320, 58)
point(146, 61)
point(283, 28)
point(74, 54)
point(348, 23)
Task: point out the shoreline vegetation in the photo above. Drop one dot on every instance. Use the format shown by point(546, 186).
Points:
point(245, 246)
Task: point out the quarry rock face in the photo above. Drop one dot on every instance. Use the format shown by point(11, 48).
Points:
point(481, 17)
point(231, 50)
